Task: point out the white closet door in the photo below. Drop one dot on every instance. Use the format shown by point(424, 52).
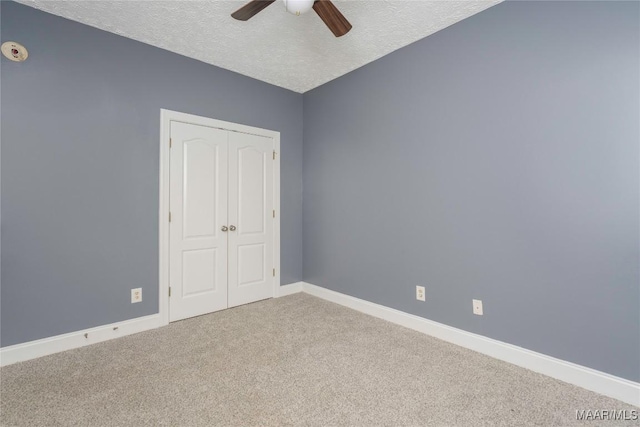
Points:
point(250, 214)
point(198, 199)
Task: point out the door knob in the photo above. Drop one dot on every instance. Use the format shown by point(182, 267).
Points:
point(232, 227)
point(224, 228)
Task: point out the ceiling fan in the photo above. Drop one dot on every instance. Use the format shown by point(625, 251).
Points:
point(326, 10)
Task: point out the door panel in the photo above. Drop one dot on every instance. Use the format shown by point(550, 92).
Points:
point(198, 272)
point(251, 191)
point(251, 264)
point(198, 203)
point(200, 168)
point(250, 211)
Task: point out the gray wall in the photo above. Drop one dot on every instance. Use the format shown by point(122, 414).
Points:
point(497, 160)
point(80, 134)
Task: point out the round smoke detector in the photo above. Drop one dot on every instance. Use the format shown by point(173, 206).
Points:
point(14, 51)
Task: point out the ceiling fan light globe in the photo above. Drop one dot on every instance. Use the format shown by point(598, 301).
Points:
point(298, 7)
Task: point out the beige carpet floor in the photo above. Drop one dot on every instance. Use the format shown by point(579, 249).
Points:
point(292, 361)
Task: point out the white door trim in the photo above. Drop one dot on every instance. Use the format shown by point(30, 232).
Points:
point(166, 117)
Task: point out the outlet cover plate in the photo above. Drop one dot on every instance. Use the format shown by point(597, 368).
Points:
point(420, 296)
point(477, 307)
point(136, 295)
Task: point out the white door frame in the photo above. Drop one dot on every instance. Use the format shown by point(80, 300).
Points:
point(166, 117)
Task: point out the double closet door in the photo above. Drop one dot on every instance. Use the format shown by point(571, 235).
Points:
point(221, 229)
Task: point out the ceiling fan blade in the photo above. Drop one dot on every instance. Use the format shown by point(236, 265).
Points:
point(332, 17)
point(251, 9)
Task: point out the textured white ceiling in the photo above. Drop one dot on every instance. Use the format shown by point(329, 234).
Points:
point(294, 52)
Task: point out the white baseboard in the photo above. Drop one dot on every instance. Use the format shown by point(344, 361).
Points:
point(590, 379)
point(43, 347)
point(292, 288)
point(46, 346)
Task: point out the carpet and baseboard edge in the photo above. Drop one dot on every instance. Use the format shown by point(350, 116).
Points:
point(590, 379)
point(581, 376)
point(56, 344)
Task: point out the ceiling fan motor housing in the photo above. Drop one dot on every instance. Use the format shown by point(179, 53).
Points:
point(326, 10)
point(298, 7)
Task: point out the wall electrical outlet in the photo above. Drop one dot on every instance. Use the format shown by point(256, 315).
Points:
point(477, 307)
point(136, 295)
point(420, 293)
